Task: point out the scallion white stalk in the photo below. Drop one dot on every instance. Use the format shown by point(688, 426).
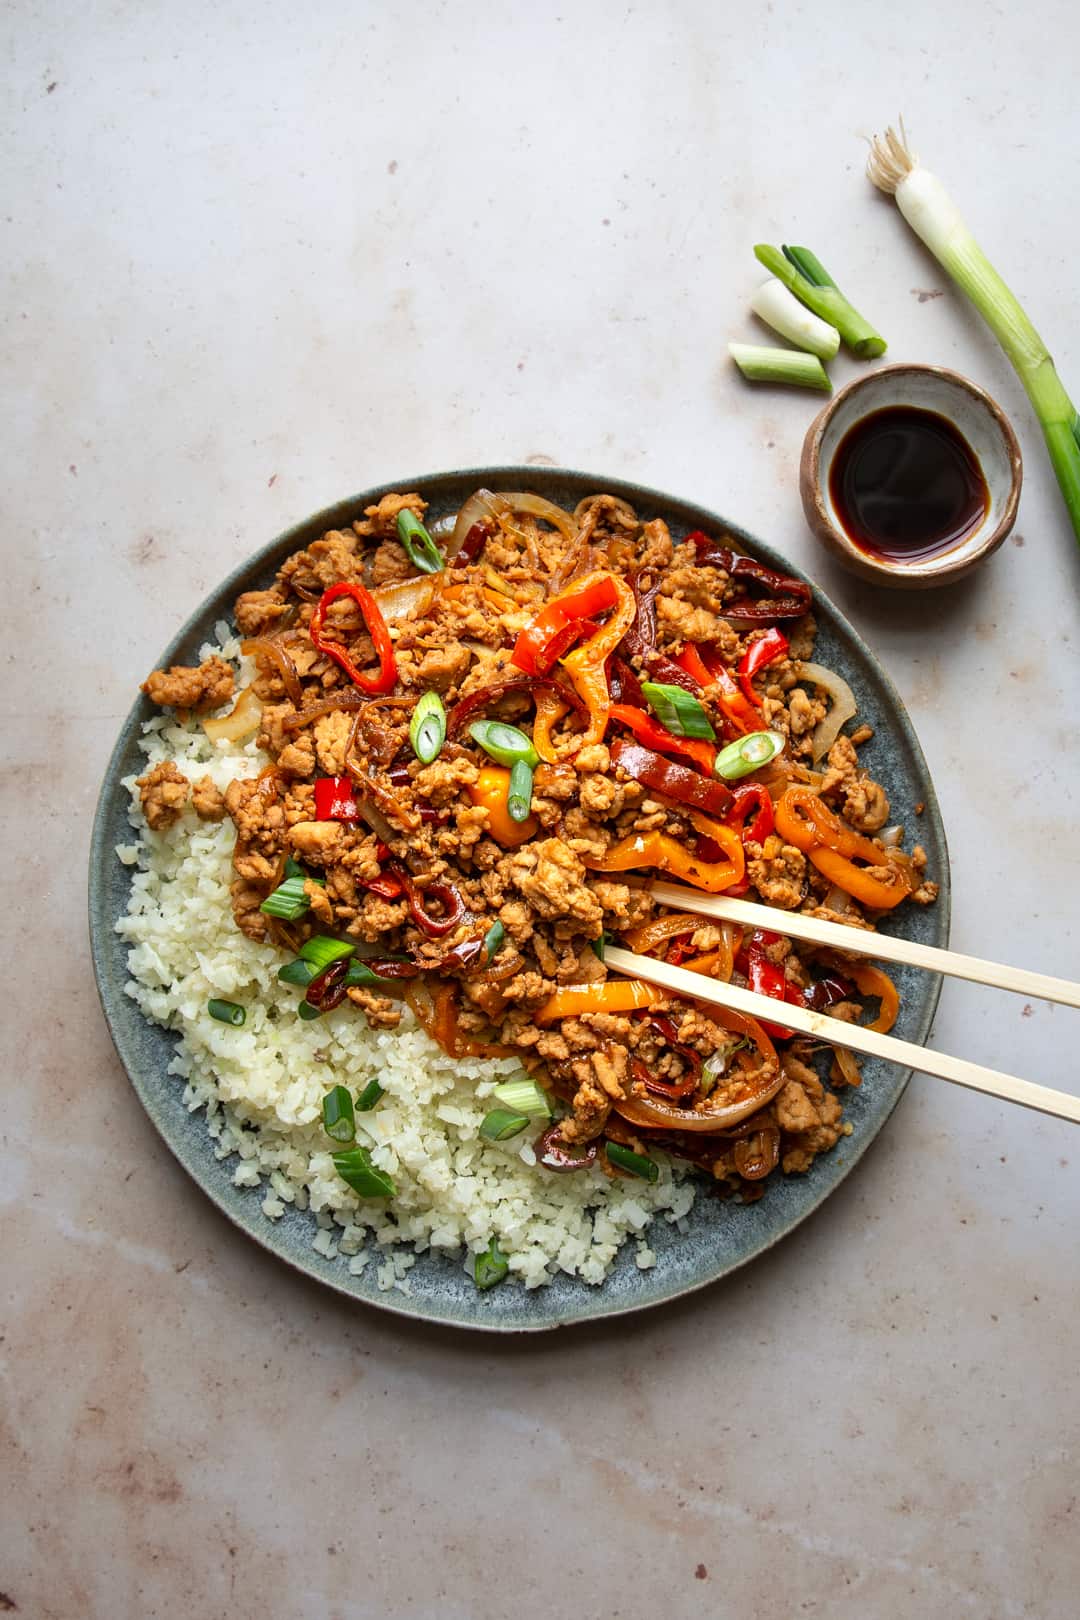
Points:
point(782, 311)
point(935, 218)
point(780, 366)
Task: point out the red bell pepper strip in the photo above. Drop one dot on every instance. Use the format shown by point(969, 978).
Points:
point(751, 813)
point(766, 650)
point(371, 614)
point(543, 642)
point(768, 979)
point(386, 886)
point(654, 735)
point(335, 800)
point(692, 662)
point(741, 716)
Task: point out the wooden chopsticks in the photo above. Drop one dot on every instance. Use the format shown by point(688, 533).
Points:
point(855, 1037)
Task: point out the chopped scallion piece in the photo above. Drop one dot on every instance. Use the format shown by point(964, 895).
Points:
point(493, 939)
point(506, 744)
point(420, 548)
point(522, 1095)
point(760, 364)
point(490, 1266)
point(501, 1124)
point(427, 728)
point(600, 945)
point(635, 1163)
point(320, 950)
point(226, 1012)
point(288, 900)
point(306, 1011)
point(679, 711)
point(298, 972)
point(365, 1178)
point(360, 973)
point(781, 310)
point(369, 1097)
point(747, 754)
point(717, 1065)
point(519, 793)
point(807, 278)
point(339, 1119)
point(293, 869)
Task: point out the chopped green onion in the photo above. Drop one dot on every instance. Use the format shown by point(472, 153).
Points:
point(298, 972)
point(490, 1266)
point(501, 1124)
point(718, 1064)
point(781, 310)
point(504, 743)
point(934, 217)
point(339, 1119)
point(320, 950)
point(747, 754)
point(306, 1011)
point(636, 1163)
point(420, 548)
point(293, 869)
point(288, 900)
point(519, 793)
point(427, 728)
point(369, 1097)
point(226, 1012)
point(522, 1095)
point(759, 364)
point(807, 278)
point(493, 939)
point(600, 945)
point(360, 973)
point(365, 1178)
point(679, 711)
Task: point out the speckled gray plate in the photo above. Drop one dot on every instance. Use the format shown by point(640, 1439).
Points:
point(721, 1236)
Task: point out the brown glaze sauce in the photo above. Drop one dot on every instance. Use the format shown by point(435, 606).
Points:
point(906, 486)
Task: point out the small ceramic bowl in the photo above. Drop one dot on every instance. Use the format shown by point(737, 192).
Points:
point(978, 419)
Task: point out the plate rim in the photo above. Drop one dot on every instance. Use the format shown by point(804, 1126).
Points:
point(592, 1306)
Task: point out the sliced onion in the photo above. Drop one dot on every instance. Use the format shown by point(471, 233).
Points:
point(837, 900)
point(479, 508)
point(443, 527)
point(892, 837)
point(649, 1111)
point(844, 706)
point(536, 506)
point(241, 722)
point(407, 597)
point(846, 1063)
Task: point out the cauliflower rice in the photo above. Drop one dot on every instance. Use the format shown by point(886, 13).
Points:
point(262, 1085)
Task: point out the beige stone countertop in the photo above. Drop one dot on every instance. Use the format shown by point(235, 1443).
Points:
point(256, 257)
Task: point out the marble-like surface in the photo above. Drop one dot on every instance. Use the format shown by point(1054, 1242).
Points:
point(257, 256)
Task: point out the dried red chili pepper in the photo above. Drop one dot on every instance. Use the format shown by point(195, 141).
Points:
point(784, 598)
point(765, 650)
point(666, 776)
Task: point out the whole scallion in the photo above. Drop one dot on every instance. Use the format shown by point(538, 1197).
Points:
point(427, 728)
point(505, 744)
point(519, 792)
point(320, 950)
point(420, 548)
point(364, 1177)
point(747, 754)
point(679, 711)
point(339, 1117)
point(636, 1164)
point(490, 1266)
point(934, 217)
point(226, 1012)
point(501, 1124)
point(805, 276)
point(759, 364)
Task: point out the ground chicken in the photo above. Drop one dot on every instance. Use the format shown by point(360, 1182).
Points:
point(206, 686)
point(332, 733)
point(779, 873)
point(257, 612)
point(208, 800)
point(164, 793)
point(552, 879)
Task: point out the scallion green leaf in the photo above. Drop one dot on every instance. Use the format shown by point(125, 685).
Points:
point(360, 973)
point(365, 1178)
point(339, 1118)
point(490, 1266)
point(420, 548)
point(369, 1097)
point(519, 793)
point(226, 1012)
point(635, 1163)
point(493, 939)
point(306, 1011)
point(293, 869)
point(679, 711)
point(320, 950)
point(427, 728)
point(298, 972)
point(747, 754)
point(522, 1095)
point(501, 1124)
point(505, 744)
point(288, 900)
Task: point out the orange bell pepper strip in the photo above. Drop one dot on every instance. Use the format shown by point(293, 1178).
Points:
point(870, 981)
point(550, 709)
point(586, 664)
point(609, 995)
point(661, 850)
point(807, 822)
point(491, 791)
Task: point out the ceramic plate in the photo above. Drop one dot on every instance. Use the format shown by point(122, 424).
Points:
point(721, 1235)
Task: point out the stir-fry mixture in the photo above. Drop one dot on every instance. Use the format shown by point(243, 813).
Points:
point(485, 740)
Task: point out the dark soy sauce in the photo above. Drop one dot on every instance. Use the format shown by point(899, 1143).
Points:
point(906, 486)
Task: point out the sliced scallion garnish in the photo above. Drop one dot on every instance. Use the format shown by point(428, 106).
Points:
point(490, 1266)
point(288, 900)
point(635, 1163)
point(493, 939)
point(369, 1097)
point(293, 869)
point(298, 972)
point(761, 364)
point(365, 1178)
point(519, 793)
point(360, 973)
point(522, 1095)
point(320, 950)
point(420, 548)
point(501, 1124)
point(427, 728)
point(306, 1011)
point(339, 1118)
point(226, 1012)
point(679, 711)
point(747, 754)
point(505, 744)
